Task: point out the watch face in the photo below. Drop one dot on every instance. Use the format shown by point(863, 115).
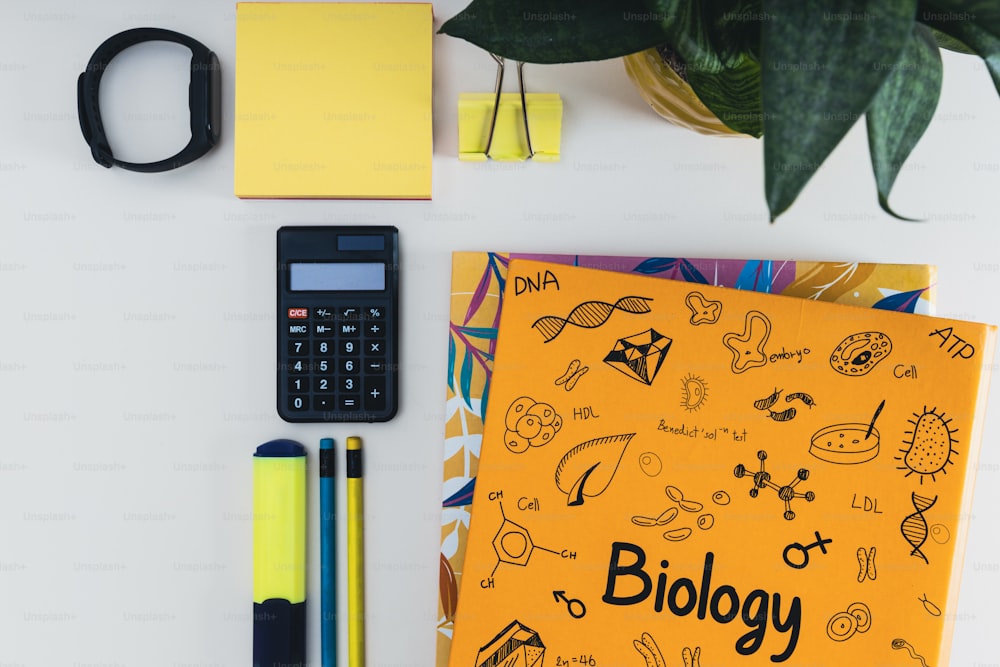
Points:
point(215, 98)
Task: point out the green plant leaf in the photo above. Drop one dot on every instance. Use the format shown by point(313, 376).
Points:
point(948, 42)
point(558, 31)
point(903, 109)
point(733, 95)
point(956, 13)
point(717, 43)
point(979, 41)
point(822, 63)
point(687, 30)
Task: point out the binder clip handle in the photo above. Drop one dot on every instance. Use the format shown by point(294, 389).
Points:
point(496, 104)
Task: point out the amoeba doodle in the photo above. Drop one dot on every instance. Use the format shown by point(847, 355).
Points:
point(590, 315)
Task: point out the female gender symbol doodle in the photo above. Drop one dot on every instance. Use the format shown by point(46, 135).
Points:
point(796, 546)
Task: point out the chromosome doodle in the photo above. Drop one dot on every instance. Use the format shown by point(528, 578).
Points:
point(762, 480)
point(902, 643)
point(914, 526)
point(590, 315)
point(866, 564)
point(572, 375)
point(650, 652)
point(929, 449)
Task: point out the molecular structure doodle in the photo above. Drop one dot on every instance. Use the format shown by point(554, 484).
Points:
point(762, 480)
point(513, 544)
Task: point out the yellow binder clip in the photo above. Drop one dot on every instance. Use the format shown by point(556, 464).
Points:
point(508, 126)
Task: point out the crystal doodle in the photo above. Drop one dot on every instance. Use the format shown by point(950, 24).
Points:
point(640, 356)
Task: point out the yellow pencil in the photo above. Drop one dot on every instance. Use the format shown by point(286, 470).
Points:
point(355, 556)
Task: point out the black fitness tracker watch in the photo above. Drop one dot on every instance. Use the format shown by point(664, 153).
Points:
point(204, 98)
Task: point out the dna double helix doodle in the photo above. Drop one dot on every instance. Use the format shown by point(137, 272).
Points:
point(914, 526)
point(590, 315)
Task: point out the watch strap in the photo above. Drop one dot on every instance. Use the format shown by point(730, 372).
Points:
point(88, 96)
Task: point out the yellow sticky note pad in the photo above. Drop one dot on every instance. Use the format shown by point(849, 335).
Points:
point(475, 112)
point(333, 100)
point(675, 473)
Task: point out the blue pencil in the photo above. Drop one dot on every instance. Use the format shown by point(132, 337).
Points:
point(328, 551)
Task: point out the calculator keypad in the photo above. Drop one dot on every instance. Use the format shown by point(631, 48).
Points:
point(336, 360)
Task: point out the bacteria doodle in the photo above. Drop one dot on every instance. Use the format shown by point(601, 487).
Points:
point(694, 392)
point(929, 606)
point(899, 644)
point(929, 449)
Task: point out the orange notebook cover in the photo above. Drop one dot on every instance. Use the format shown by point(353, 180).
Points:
point(686, 474)
point(333, 100)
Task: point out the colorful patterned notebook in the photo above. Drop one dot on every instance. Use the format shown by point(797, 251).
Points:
point(478, 279)
point(683, 473)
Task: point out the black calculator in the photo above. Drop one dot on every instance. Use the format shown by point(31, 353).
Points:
point(338, 320)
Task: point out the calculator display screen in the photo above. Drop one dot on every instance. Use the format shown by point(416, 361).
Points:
point(336, 276)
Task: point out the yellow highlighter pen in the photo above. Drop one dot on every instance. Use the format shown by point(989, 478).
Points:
point(279, 554)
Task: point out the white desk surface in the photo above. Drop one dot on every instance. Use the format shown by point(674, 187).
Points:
point(137, 322)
